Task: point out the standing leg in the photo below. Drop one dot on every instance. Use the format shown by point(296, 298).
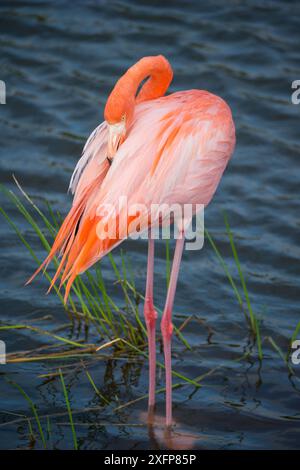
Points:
point(150, 319)
point(167, 327)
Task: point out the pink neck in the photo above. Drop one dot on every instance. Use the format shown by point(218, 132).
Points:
point(159, 73)
point(160, 76)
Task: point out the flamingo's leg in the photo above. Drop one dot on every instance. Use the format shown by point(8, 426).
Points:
point(150, 319)
point(167, 327)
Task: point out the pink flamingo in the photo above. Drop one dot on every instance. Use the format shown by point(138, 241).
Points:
point(151, 148)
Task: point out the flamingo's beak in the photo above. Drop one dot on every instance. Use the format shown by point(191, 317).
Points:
point(116, 135)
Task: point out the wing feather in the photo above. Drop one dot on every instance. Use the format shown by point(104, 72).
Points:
point(92, 162)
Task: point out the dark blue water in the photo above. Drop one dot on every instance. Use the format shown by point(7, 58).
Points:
point(59, 62)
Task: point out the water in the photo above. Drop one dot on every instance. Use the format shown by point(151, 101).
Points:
point(59, 65)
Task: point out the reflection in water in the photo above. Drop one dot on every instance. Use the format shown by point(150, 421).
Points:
point(161, 437)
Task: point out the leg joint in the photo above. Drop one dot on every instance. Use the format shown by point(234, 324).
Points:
point(166, 327)
point(150, 313)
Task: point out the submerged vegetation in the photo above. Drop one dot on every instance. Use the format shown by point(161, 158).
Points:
point(119, 330)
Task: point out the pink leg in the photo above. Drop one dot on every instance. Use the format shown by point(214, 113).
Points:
point(167, 327)
point(150, 319)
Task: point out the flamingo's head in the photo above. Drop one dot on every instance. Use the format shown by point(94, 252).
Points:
point(118, 114)
point(129, 91)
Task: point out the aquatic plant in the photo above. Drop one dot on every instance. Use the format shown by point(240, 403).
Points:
point(90, 303)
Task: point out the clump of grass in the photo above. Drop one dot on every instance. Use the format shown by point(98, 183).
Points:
point(89, 298)
point(252, 320)
point(245, 304)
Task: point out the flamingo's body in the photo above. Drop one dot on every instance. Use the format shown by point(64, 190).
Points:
point(151, 149)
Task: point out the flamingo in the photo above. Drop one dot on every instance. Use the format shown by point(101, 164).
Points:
point(151, 148)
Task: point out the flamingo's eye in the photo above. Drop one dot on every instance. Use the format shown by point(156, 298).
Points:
point(123, 117)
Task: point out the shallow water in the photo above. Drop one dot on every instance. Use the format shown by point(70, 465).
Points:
point(59, 65)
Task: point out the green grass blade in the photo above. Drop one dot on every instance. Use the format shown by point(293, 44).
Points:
point(224, 266)
point(295, 333)
point(258, 338)
point(243, 282)
point(69, 410)
point(43, 332)
point(33, 409)
point(279, 350)
point(95, 387)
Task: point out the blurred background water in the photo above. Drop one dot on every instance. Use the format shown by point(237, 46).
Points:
point(59, 61)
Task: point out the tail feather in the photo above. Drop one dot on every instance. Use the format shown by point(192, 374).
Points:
point(66, 238)
point(62, 237)
point(62, 262)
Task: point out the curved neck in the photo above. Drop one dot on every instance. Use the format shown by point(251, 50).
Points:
point(158, 73)
point(124, 95)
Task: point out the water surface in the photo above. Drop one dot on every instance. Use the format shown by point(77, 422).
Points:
point(59, 64)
